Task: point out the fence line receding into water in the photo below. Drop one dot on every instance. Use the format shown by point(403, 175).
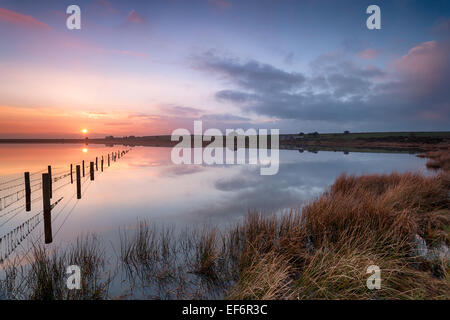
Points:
point(23, 191)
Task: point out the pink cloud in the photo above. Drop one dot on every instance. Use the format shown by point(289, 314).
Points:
point(425, 70)
point(21, 19)
point(425, 59)
point(368, 54)
point(134, 17)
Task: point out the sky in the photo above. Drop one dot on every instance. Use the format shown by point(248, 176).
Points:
point(150, 67)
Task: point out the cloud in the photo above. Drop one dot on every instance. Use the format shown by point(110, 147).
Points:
point(17, 18)
point(252, 74)
point(410, 93)
point(425, 74)
point(235, 96)
point(302, 177)
point(368, 54)
point(425, 70)
point(427, 58)
point(181, 111)
point(224, 117)
point(190, 114)
point(181, 170)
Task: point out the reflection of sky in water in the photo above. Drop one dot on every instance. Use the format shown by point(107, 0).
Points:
point(145, 184)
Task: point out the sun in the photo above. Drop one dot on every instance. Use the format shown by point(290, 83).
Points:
point(85, 150)
point(84, 131)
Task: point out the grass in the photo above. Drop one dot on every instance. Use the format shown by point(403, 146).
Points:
point(44, 276)
point(324, 251)
point(438, 159)
point(161, 263)
point(321, 251)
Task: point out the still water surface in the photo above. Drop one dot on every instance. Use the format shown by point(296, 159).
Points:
point(145, 184)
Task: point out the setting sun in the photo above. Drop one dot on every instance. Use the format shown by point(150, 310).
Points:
point(85, 150)
point(84, 131)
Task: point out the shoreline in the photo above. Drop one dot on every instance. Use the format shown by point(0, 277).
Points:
point(402, 142)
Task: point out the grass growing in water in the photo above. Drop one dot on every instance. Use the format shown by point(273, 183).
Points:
point(319, 252)
point(44, 276)
point(324, 250)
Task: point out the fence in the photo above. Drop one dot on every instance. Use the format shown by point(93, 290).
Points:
point(22, 191)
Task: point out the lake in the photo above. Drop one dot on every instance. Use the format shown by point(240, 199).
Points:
point(145, 184)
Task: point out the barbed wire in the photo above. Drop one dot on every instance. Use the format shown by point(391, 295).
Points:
point(85, 180)
point(21, 177)
point(59, 176)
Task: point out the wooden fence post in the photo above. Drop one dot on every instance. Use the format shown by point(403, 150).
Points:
point(71, 173)
point(96, 163)
point(102, 164)
point(83, 168)
point(92, 170)
point(50, 179)
point(78, 182)
point(47, 208)
point(108, 160)
point(27, 192)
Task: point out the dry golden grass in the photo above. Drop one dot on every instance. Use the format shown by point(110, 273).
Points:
point(376, 205)
point(439, 159)
point(323, 252)
point(266, 277)
point(339, 272)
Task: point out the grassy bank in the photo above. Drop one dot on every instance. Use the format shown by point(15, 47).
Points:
point(439, 159)
point(324, 253)
point(398, 222)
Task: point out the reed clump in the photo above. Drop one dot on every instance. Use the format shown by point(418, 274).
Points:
point(163, 263)
point(323, 251)
point(439, 159)
point(150, 254)
point(44, 275)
